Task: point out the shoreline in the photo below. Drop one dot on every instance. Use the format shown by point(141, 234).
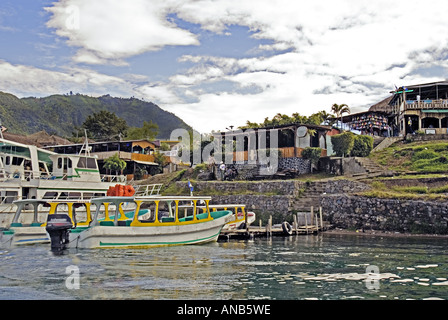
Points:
point(378, 233)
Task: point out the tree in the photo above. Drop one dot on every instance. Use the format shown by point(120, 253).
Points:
point(283, 119)
point(114, 163)
point(148, 131)
point(161, 160)
point(105, 125)
point(343, 143)
point(362, 146)
point(339, 110)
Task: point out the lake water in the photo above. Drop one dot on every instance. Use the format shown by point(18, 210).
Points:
point(324, 267)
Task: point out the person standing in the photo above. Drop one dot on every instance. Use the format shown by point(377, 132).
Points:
point(222, 170)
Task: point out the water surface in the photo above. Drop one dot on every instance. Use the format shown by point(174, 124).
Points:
point(324, 267)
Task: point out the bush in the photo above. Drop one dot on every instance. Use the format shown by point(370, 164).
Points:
point(362, 146)
point(343, 143)
point(312, 154)
point(424, 154)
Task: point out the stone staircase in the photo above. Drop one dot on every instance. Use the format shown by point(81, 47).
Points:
point(309, 196)
point(372, 169)
point(384, 143)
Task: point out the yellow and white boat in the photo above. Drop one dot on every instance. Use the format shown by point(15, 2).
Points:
point(168, 220)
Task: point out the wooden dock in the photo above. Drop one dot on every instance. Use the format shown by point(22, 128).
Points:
point(313, 224)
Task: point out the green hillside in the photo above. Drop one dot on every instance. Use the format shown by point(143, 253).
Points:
point(60, 114)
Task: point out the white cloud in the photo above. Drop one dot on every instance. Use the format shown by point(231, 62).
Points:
point(108, 31)
point(24, 80)
point(313, 54)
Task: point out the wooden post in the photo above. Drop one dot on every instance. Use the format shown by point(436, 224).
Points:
point(321, 221)
point(269, 227)
point(295, 223)
point(306, 222)
point(317, 222)
point(312, 222)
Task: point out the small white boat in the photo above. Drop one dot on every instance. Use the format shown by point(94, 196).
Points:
point(242, 218)
point(29, 221)
point(168, 220)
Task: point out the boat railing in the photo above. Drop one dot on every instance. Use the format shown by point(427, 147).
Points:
point(113, 178)
point(67, 207)
point(239, 210)
point(148, 190)
point(164, 210)
point(9, 199)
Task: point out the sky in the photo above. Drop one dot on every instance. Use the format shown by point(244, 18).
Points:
point(217, 64)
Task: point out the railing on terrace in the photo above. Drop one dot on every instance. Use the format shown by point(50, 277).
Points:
point(426, 104)
point(287, 152)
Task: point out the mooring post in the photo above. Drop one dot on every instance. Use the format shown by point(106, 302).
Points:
point(306, 222)
point(321, 221)
point(295, 224)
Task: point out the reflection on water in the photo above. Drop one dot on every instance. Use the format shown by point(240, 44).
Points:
point(304, 267)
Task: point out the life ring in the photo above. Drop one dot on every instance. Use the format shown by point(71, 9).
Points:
point(120, 190)
point(128, 191)
point(287, 228)
point(111, 191)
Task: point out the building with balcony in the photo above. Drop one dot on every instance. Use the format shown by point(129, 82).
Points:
point(138, 154)
point(422, 107)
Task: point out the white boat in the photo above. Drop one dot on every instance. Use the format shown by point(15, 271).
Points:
point(29, 221)
point(171, 220)
point(25, 174)
point(242, 218)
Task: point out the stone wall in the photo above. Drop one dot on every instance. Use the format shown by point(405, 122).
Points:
point(302, 166)
point(411, 216)
point(283, 188)
point(263, 206)
point(345, 186)
point(265, 198)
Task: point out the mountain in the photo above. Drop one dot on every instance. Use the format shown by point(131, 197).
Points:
point(60, 114)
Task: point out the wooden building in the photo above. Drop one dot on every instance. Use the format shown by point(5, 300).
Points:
point(292, 140)
point(422, 107)
point(138, 154)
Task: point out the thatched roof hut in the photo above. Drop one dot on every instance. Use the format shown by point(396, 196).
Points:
point(39, 139)
point(382, 106)
point(44, 139)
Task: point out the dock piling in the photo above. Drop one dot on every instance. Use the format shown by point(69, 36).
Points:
point(311, 223)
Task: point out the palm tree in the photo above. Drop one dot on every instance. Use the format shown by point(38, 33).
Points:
point(339, 110)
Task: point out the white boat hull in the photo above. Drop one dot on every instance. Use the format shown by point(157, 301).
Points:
point(237, 224)
point(151, 236)
point(25, 236)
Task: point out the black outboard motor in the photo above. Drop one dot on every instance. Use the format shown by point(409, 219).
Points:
point(58, 227)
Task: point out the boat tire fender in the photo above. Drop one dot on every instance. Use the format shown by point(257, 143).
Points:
point(287, 228)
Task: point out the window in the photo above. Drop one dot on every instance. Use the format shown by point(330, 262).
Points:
point(60, 163)
point(50, 195)
point(74, 195)
point(16, 161)
point(91, 163)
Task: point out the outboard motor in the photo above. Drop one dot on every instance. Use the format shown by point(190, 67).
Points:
point(58, 226)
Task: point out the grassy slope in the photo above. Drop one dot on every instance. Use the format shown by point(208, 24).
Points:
point(416, 160)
